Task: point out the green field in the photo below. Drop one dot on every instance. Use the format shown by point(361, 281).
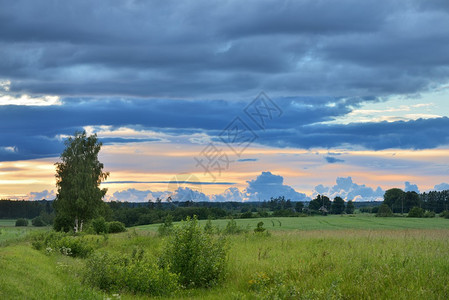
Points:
point(330, 257)
point(331, 222)
point(9, 233)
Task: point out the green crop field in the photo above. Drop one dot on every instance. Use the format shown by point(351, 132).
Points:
point(331, 257)
point(331, 222)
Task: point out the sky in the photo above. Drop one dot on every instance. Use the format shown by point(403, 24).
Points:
point(228, 100)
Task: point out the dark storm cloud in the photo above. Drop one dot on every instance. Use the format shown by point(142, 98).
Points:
point(28, 132)
point(215, 49)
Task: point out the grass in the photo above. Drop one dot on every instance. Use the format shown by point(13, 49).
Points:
point(331, 222)
point(330, 257)
point(9, 233)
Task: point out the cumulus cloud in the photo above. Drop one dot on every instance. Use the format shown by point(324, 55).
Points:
point(134, 195)
point(442, 186)
point(268, 185)
point(411, 187)
point(349, 190)
point(230, 194)
point(45, 194)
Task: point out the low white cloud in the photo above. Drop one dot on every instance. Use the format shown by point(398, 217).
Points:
point(268, 185)
point(11, 149)
point(442, 186)
point(411, 187)
point(349, 190)
point(24, 99)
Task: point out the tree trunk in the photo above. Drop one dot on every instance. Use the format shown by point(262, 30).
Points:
point(76, 228)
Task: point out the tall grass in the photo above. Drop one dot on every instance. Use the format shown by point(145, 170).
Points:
point(320, 263)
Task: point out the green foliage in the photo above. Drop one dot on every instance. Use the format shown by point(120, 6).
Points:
point(259, 228)
point(445, 214)
point(69, 245)
point(38, 222)
point(232, 228)
point(429, 214)
point(99, 225)
point(349, 207)
point(63, 223)
point(21, 222)
point(78, 177)
point(135, 273)
point(384, 211)
point(116, 227)
point(208, 228)
point(166, 228)
point(198, 258)
point(338, 206)
point(416, 212)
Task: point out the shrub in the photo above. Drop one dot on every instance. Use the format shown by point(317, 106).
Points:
point(232, 228)
point(75, 246)
point(38, 222)
point(198, 258)
point(63, 223)
point(116, 227)
point(445, 214)
point(208, 228)
point(135, 273)
point(259, 228)
point(21, 222)
point(429, 214)
point(167, 227)
point(99, 225)
point(416, 212)
point(384, 211)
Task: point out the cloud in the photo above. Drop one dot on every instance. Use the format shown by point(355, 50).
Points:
point(349, 190)
point(442, 186)
point(230, 194)
point(223, 49)
point(333, 160)
point(268, 185)
point(411, 187)
point(45, 194)
point(36, 132)
point(247, 159)
point(265, 186)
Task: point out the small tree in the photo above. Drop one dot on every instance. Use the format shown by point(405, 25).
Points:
point(384, 211)
point(338, 206)
point(199, 258)
point(78, 179)
point(259, 228)
point(350, 207)
point(416, 212)
point(21, 222)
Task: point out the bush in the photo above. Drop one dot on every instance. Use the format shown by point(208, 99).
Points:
point(232, 228)
point(416, 212)
point(134, 273)
point(429, 214)
point(199, 258)
point(116, 227)
point(75, 246)
point(21, 222)
point(167, 227)
point(259, 228)
point(38, 222)
point(444, 214)
point(63, 223)
point(384, 211)
point(99, 225)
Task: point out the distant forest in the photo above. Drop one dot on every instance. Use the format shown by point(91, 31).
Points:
point(131, 213)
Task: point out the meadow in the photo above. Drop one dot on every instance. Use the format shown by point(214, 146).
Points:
point(331, 257)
